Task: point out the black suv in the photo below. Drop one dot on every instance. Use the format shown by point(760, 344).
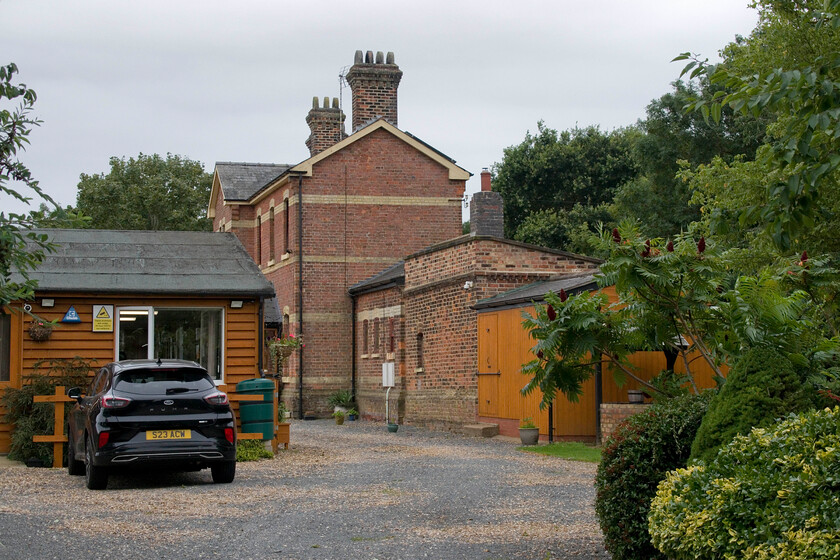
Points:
point(144, 412)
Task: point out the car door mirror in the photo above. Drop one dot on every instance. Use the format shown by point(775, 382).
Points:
point(75, 393)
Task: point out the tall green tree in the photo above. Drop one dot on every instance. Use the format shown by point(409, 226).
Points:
point(556, 186)
point(148, 193)
point(21, 249)
point(789, 67)
point(657, 198)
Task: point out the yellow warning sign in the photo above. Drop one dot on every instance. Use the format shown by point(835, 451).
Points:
point(103, 318)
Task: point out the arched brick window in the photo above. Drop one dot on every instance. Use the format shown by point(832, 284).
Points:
point(365, 336)
point(376, 336)
point(391, 335)
point(420, 358)
point(271, 234)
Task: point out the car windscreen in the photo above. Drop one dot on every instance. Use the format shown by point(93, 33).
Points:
point(162, 381)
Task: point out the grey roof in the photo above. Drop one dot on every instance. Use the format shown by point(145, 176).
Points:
point(394, 275)
point(241, 181)
point(536, 292)
point(271, 311)
point(149, 262)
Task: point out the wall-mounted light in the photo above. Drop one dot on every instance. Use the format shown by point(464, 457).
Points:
point(236, 304)
point(47, 302)
point(468, 284)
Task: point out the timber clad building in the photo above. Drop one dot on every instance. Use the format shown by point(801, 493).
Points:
point(139, 294)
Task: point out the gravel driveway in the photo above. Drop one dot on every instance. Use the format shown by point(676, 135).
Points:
point(339, 492)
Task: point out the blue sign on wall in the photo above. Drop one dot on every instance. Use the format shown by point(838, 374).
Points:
point(71, 316)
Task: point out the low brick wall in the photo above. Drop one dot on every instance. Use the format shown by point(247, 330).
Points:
point(612, 414)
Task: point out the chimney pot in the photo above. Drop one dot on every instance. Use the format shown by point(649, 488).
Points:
point(315, 102)
point(485, 180)
point(369, 57)
point(380, 58)
point(357, 59)
point(389, 59)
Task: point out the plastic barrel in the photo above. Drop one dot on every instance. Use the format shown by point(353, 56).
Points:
point(256, 416)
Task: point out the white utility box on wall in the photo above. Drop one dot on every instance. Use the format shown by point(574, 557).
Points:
point(388, 374)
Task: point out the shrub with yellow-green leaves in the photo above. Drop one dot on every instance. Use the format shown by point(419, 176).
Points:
point(770, 495)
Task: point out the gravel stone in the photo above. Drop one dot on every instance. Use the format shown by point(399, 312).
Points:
point(351, 491)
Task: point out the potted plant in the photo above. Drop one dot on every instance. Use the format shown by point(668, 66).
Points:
point(352, 414)
point(339, 417)
point(393, 427)
point(529, 433)
point(40, 330)
point(341, 401)
point(281, 348)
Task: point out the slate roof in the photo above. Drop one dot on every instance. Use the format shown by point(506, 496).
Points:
point(149, 262)
point(394, 275)
point(524, 295)
point(240, 181)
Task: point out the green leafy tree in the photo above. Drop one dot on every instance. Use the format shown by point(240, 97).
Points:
point(148, 193)
point(657, 198)
point(21, 249)
point(789, 67)
point(678, 296)
point(549, 176)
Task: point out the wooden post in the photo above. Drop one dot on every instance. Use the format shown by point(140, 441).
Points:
point(58, 439)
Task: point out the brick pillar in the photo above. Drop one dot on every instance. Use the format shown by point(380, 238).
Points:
point(374, 83)
point(326, 125)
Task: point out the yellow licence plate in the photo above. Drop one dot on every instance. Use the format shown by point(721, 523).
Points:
point(168, 434)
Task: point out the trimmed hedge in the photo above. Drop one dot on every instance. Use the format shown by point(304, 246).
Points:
point(762, 387)
point(771, 495)
point(634, 460)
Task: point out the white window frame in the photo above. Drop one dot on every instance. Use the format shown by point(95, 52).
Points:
point(150, 343)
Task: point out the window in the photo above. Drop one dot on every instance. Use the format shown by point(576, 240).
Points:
point(376, 336)
point(175, 333)
point(286, 225)
point(420, 351)
point(5, 347)
point(259, 238)
point(271, 255)
point(391, 335)
point(364, 337)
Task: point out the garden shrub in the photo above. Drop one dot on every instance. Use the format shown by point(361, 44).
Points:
point(771, 495)
point(31, 419)
point(252, 450)
point(634, 460)
point(762, 387)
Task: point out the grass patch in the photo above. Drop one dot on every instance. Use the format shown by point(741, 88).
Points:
point(572, 450)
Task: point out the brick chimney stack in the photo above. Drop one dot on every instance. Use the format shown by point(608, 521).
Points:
point(487, 215)
point(326, 125)
point(374, 83)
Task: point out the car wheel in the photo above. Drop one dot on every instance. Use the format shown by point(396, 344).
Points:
point(74, 466)
point(223, 473)
point(96, 478)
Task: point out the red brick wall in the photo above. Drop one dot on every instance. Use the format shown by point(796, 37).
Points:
point(347, 240)
point(445, 392)
point(613, 414)
point(384, 306)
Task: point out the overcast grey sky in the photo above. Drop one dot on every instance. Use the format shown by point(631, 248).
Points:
point(218, 80)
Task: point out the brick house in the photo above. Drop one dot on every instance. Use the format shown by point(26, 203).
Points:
point(420, 315)
point(356, 206)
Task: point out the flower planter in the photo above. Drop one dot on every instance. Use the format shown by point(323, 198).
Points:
point(635, 396)
point(529, 436)
point(40, 332)
point(393, 428)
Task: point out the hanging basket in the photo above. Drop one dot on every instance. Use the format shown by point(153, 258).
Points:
point(39, 332)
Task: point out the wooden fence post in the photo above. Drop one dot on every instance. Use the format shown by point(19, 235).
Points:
point(58, 439)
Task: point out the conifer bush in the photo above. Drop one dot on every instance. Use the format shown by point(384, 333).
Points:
point(771, 495)
point(634, 460)
point(762, 387)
